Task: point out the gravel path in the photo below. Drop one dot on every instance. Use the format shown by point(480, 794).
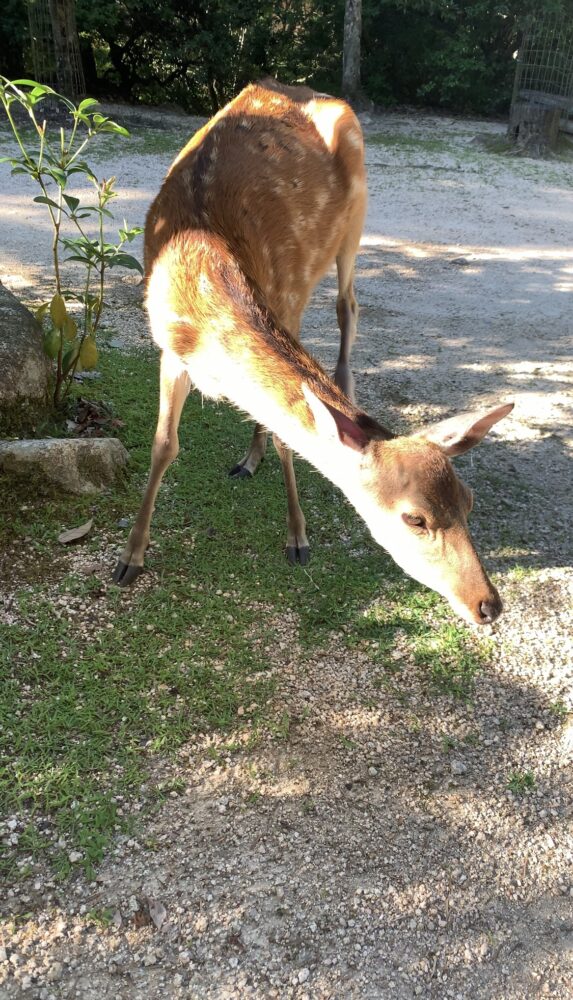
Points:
point(377, 852)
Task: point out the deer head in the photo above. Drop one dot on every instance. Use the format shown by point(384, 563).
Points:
point(414, 504)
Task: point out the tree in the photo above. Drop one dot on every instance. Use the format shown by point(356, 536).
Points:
point(69, 73)
point(351, 50)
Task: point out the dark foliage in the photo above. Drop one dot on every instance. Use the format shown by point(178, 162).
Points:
point(457, 54)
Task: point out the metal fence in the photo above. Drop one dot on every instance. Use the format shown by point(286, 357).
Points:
point(55, 46)
point(544, 70)
point(543, 88)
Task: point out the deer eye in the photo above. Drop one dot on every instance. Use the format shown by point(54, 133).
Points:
point(415, 521)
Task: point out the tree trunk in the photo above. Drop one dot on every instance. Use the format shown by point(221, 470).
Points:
point(69, 72)
point(534, 126)
point(351, 89)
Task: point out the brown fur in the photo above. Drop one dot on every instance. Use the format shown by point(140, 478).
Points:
point(252, 213)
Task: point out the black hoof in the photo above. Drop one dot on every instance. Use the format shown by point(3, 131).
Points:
point(125, 573)
point(239, 472)
point(295, 554)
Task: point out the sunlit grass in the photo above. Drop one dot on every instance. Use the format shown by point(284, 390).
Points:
point(98, 682)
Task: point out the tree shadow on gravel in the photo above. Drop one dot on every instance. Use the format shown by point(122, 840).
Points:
point(353, 848)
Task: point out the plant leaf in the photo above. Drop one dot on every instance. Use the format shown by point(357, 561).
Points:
point(88, 102)
point(32, 83)
point(42, 200)
point(71, 202)
point(125, 260)
point(60, 176)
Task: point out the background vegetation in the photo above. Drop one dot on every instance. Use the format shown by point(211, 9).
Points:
point(455, 54)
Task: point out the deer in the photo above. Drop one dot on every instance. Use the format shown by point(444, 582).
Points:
point(252, 213)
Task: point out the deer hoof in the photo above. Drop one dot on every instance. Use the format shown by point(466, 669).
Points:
point(125, 573)
point(300, 554)
point(240, 472)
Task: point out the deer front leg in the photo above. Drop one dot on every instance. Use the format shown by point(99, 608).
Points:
point(248, 465)
point(297, 548)
point(174, 389)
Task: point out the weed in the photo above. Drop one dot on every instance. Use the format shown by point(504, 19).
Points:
point(280, 729)
point(347, 743)
point(101, 918)
point(521, 782)
point(558, 709)
point(308, 805)
point(448, 743)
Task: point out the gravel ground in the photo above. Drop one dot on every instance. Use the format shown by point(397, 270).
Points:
point(377, 851)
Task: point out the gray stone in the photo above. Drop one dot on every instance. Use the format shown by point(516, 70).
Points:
point(24, 368)
point(74, 465)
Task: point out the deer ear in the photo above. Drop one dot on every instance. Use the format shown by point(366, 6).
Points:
point(331, 422)
point(459, 434)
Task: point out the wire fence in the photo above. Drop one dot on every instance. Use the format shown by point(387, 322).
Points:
point(55, 47)
point(544, 70)
point(543, 86)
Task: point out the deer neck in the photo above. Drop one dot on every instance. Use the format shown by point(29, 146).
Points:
point(233, 348)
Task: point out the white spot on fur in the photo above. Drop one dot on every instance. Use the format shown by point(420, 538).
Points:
point(325, 115)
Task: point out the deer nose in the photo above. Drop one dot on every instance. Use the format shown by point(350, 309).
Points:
point(490, 610)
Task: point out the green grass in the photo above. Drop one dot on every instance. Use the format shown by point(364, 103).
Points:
point(521, 782)
point(98, 682)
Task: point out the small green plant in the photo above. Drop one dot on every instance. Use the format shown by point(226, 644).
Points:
point(448, 743)
point(52, 161)
point(521, 782)
point(558, 709)
point(101, 918)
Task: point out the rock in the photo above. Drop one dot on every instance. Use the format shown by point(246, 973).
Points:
point(74, 465)
point(458, 767)
point(24, 368)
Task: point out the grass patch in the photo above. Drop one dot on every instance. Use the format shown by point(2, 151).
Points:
point(521, 782)
point(98, 681)
point(409, 144)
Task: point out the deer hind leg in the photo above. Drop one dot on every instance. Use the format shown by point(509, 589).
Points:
point(297, 547)
point(248, 465)
point(174, 389)
point(347, 306)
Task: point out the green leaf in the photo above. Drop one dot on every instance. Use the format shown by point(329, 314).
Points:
point(114, 127)
point(81, 167)
point(60, 176)
point(88, 102)
point(41, 311)
point(42, 200)
point(125, 260)
point(130, 234)
point(71, 202)
point(32, 83)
